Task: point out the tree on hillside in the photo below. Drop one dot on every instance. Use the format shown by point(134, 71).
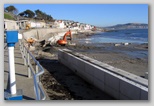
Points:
point(38, 13)
point(22, 13)
point(11, 9)
point(27, 13)
point(43, 15)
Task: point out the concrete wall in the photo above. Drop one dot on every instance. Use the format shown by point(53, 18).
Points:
point(118, 83)
point(10, 25)
point(46, 34)
point(41, 33)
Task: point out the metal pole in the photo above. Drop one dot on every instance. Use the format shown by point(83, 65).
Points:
point(36, 88)
point(38, 79)
point(24, 52)
point(12, 70)
point(13, 94)
point(29, 71)
point(37, 69)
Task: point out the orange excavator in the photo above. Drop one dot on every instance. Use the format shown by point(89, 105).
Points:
point(30, 41)
point(63, 41)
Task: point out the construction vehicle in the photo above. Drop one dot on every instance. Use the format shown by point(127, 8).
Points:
point(28, 26)
point(63, 41)
point(30, 41)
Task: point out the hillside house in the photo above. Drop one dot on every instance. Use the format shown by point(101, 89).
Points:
point(11, 25)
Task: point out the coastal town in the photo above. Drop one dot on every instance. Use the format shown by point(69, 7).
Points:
point(48, 70)
point(27, 23)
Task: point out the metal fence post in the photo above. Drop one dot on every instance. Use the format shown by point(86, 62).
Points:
point(38, 78)
point(29, 71)
point(24, 52)
point(37, 92)
point(27, 56)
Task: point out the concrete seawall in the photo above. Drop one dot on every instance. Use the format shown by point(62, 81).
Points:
point(116, 82)
point(41, 34)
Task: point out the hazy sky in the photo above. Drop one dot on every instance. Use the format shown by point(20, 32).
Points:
point(94, 14)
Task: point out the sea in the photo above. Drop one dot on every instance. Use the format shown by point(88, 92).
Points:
point(119, 36)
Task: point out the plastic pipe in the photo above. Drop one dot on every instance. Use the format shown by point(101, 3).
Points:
point(12, 70)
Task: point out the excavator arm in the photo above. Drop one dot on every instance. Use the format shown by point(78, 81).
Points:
point(67, 34)
point(64, 40)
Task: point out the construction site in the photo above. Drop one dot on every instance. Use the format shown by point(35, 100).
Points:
point(50, 64)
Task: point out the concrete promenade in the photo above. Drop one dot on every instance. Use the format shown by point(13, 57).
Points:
point(22, 81)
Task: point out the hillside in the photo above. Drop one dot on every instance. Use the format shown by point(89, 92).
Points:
point(129, 26)
point(8, 16)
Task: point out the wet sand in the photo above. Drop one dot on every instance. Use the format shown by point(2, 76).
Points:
point(132, 58)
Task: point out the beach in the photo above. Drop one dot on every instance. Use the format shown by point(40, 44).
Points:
point(132, 58)
point(62, 84)
point(95, 52)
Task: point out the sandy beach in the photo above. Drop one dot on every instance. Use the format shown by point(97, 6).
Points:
point(62, 84)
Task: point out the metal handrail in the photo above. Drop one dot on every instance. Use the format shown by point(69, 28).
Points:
point(26, 54)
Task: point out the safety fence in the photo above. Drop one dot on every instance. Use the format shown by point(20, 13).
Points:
point(34, 71)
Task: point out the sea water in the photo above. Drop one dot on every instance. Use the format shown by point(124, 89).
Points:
point(119, 36)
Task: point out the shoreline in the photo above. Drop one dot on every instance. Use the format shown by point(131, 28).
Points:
point(132, 58)
point(60, 83)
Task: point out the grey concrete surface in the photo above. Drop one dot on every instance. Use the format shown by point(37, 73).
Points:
point(22, 81)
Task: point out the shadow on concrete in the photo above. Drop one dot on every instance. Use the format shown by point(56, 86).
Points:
point(8, 84)
point(24, 97)
point(6, 62)
point(18, 57)
point(6, 55)
point(17, 74)
point(27, 98)
point(17, 53)
point(15, 63)
point(19, 63)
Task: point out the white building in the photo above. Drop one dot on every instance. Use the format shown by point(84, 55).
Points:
point(11, 25)
point(60, 24)
point(22, 24)
point(36, 24)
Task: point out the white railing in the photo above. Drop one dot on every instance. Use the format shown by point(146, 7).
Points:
point(33, 71)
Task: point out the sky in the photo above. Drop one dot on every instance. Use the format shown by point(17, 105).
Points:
point(95, 14)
